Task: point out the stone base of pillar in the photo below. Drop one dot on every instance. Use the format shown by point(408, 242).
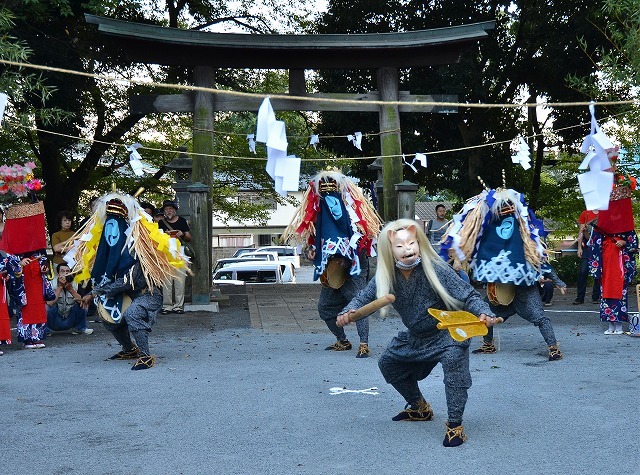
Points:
point(200, 299)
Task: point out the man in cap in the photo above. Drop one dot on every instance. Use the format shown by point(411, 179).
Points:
point(176, 226)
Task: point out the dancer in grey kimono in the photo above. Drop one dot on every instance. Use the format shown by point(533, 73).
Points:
point(338, 225)
point(501, 239)
point(137, 319)
point(410, 268)
point(127, 259)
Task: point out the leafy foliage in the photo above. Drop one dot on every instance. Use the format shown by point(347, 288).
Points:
point(529, 54)
point(77, 127)
point(567, 268)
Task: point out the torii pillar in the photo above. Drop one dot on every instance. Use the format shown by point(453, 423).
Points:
point(202, 171)
point(390, 143)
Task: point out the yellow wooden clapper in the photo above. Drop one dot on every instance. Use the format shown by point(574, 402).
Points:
point(461, 324)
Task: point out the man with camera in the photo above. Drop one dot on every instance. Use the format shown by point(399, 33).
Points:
point(64, 312)
point(177, 227)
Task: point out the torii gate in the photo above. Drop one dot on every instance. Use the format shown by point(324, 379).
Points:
point(205, 51)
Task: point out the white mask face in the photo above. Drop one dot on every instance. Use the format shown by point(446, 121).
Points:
point(405, 246)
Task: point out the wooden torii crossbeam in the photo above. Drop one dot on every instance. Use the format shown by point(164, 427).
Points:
point(206, 51)
point(147, 104)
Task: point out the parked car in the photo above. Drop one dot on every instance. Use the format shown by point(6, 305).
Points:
point(265, 255)
point(285, 253)
point(220, 263)
point(266, 272)
point(243, 250)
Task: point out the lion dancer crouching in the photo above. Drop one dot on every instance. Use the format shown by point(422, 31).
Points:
point(500, 238)
point(338, 225)
point(127, 259)
point(409, 268)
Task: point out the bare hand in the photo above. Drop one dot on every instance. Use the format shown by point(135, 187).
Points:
point(343, 319)
point(563, 290)
point(86, 301)
point(490, 321)
point(620, 243)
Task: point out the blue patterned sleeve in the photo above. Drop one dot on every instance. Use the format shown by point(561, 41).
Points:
point(131, 281)
point(557, 281)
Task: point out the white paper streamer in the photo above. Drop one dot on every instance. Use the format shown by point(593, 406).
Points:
point(252, 143)
point(421, 158)
point(3, 103)
point(356, 140)
point(596, 184)
point(282, 168)
point(522, 155)
point(135, 160)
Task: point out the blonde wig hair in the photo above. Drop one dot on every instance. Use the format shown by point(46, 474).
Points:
point(385, 272)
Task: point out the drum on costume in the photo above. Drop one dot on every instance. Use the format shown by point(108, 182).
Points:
point(500, 294)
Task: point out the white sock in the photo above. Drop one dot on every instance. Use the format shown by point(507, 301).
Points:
point(618, 326)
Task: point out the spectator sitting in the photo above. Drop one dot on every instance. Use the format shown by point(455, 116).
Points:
point(64, 312)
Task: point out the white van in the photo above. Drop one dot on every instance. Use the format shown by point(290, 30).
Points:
point(264, 255)
point(285, 253)
point(224, 262)
point(265, 272)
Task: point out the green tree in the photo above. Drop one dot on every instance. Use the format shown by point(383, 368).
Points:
point(533, 48)
point(616, 74)
point(71, 106)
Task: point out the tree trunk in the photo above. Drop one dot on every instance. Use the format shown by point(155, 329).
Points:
point(472, 135)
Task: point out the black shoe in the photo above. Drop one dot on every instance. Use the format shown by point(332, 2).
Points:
point(363, 351)
point(555, 353)
point(132, 354)
point(421, 411)
point(578, 302)
point(454, 436)
point(595, 301)
point(486, 348)
point(144, 362)
point(341, 345)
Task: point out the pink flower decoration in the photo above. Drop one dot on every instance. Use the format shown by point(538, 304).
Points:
point(13, 180)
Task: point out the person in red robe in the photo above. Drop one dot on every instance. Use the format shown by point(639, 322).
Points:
point(25, 237)
point(615, 244)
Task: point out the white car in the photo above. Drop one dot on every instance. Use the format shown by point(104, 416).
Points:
point(264, 255)
point(285, 253)
point(224, 262)
point(243, 250)
point(265, 272)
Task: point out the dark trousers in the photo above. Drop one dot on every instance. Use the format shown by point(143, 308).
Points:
point(546, 291)
point(582, 280)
